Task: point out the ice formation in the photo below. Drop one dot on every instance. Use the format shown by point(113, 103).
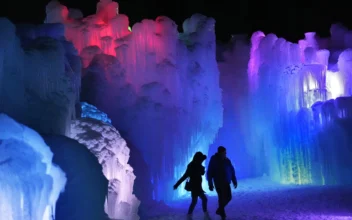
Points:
point(30, 182)
point(160, 87)
point(44, 79)
point(90, 111)
point(86, 187)
point(233, 59)
point(300, 107)
point(105, 142)
point(288, 108)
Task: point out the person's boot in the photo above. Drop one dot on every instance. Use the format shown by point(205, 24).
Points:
point(217, 211)
point(206, 215)
point(221, 213)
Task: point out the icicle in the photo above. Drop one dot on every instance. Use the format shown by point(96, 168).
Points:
point(1, 76)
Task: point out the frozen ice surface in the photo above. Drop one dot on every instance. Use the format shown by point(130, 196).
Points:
point(39, 76)
point(298, 109)
point(156, 80)
point(105, 142)
point(151, 75)
point(90, 111)
point(263, 200)
point(30, 182)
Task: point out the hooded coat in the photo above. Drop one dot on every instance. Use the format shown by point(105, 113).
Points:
point(195, 171)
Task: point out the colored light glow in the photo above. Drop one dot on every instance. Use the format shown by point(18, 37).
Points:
point(295, 168)
point(334, 84)
point(310, 83)
point(33, 183)
point(196, 123)
point(181, 168)
point(297, 151)
point(90, 111)
point(129, 28)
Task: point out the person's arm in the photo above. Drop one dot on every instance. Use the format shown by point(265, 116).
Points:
point(233, 175)
point(210, 172)
point(184, 177)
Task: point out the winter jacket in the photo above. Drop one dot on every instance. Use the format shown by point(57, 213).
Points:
point(195, 171)
point(220, 171)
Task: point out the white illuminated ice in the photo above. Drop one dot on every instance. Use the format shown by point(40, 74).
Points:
point(105, 142)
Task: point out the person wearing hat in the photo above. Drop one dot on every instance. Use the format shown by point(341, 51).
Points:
point(195, 171)
point(221, 173)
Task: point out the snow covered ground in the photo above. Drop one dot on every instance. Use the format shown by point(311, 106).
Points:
point(262, 200)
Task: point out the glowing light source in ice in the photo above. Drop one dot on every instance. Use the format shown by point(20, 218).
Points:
point(180, 170)
point(310, 83)
point(334, 84)
point(90, 111)
point(294, 166)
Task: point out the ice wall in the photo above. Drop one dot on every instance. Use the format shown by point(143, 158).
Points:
point(39, 76)
point(160, 87)
point(294, 123)
point(105, 142)
point(233, 59)
point(86, 188)
point(30, 181)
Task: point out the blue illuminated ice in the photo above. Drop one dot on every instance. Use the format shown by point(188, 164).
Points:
point(298, 107)
point(90, 111)
point(30, 182)
point(39, 88)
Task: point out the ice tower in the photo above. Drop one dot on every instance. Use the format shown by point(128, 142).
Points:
point(160, 87)
point(292, 99)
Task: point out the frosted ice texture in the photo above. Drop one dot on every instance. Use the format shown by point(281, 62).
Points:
point(160, 87)
point(291, 111)
point(30, 182)
point(107, 9)
point(90, 111)
point(39, 76)
point(234, 84)
point(105, 142)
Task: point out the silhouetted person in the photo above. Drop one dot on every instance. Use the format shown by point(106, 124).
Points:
point(221, 171)
point(195, 171)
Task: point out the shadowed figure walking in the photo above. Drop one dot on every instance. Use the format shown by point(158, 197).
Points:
point(222, 172)
point(195, 171)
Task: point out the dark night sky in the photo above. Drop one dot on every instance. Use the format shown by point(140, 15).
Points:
point(288, 20)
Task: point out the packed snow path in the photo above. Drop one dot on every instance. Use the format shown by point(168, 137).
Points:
point(262, 200)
